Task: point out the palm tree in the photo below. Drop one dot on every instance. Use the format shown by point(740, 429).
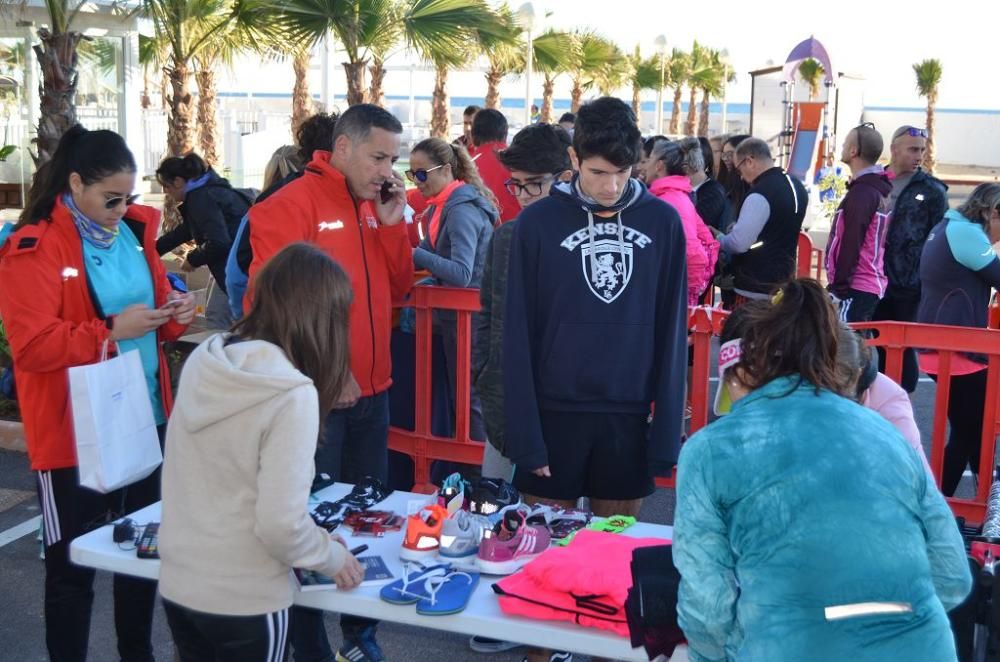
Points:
point(928, 78)
point(710, 79)
point(58, 60)
point(677, 71)
point(812, 73)
point(187, 27)
point(699, 61)
point(554, 53)
point(387, 39)
point(441, 31)
point(645, 75)
point(504, 51)
point(593, 54)
point(302, 105)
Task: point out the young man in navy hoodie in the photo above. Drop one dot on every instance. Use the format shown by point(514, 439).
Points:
point(596, 328)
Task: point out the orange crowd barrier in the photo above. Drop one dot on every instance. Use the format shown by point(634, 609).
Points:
point(704, 323)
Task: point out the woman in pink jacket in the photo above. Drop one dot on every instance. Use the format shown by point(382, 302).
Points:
point(666, 172)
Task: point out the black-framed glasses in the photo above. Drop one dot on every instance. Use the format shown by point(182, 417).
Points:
point(111, 203)
point(740, 164)
point(527, 188)
point(727, 156)
point(420, 175)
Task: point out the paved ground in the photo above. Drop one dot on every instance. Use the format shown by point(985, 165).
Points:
point(22, 577)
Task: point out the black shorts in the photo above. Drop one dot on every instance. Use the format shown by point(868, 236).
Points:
point(601, 456)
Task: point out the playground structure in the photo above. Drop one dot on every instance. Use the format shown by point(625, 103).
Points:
point(804, 130)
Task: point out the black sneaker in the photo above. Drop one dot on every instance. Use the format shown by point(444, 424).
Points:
point(491, 495)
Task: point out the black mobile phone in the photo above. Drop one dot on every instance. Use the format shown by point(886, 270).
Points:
point(386, 194)
point(148, 547)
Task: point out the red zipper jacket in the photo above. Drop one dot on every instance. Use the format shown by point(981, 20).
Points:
point(318, 207)
point(52, 324)
point(495, 175)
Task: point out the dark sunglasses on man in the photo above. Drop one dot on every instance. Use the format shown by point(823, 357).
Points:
point(909, 131)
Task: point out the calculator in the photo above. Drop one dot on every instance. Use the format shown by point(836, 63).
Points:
point(148, 547)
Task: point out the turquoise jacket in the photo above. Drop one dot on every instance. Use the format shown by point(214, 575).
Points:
point(799, 501)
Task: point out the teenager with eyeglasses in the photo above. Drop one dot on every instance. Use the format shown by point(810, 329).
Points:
point(919, 200)
point(81, 271)
point(855, 250)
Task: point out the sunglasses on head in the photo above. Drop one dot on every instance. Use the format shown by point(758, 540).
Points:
point(857, 132)
point(911, 131)
point(111, 203)
point(420, 175)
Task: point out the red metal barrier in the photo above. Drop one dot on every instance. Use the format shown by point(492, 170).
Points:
point(812, 265)
point(704, 323)
point(420, 444)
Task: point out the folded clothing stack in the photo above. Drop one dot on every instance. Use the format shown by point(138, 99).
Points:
point(586, 582)
point(651, 606)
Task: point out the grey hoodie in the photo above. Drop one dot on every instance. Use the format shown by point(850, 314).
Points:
point(466, 227)
point(236, 479)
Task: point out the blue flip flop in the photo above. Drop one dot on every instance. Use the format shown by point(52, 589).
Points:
point(411, 588)
point(447, 594)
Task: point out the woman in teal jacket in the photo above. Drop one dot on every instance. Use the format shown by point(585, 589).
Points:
point(806, 527)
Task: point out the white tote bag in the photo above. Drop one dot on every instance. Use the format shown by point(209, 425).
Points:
point(116, 439)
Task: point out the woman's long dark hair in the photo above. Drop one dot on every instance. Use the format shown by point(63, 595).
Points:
point(795, 336)
point(186, 167)
point(93, 155)
point(301, 304)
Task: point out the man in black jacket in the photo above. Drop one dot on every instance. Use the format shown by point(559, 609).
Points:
point(919, 201)
point(764, 239)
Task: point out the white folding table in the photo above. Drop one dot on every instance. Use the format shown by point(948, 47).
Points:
point(482, 616)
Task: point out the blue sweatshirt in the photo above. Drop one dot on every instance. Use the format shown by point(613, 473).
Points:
point(596, 318)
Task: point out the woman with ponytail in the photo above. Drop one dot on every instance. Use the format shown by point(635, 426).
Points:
point(462, 212)
point(81, 271)
point(806, 527)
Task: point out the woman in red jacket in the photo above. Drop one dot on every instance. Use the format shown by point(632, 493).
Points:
point(81, 269)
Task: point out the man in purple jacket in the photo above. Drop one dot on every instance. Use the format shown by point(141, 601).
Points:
point(855, 251)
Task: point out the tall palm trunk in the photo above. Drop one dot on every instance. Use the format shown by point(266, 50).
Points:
point(692, 113)
point(180, 119)
point(675, 113)
point(208, 124)
point(440, 118)
point(637, 104)
point(144, 99)
point(376, 93)
point(493, 80)
point(548, 92)
point(930, 158)
point(356, 87)
point(703, 118)
point(576, 96)
point(301, 99)
point(164, 89)
point(57, 58)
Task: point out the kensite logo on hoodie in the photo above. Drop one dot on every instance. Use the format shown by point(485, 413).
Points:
point(607, 263)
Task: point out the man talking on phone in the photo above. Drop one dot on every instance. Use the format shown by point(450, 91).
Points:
point(339, 205)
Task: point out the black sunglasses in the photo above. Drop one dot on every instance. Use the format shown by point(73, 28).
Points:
point(111, 203)
point(421, 174)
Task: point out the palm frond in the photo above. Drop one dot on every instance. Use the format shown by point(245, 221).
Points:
point(928, 76)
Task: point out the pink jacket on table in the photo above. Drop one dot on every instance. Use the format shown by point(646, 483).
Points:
point(702, 247)
point(892, 403)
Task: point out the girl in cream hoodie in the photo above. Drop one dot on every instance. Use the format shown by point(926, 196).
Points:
point(239, 464)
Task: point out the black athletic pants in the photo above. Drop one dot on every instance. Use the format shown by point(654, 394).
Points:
point(893, 307)
point(68, 511)
point(966, 401)
point(201, 637)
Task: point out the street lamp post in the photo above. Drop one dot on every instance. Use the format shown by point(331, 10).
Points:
point(526, 16)
point(661, 48)
point(724, 56)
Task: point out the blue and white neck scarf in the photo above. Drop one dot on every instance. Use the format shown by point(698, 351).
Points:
point(90, 231)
